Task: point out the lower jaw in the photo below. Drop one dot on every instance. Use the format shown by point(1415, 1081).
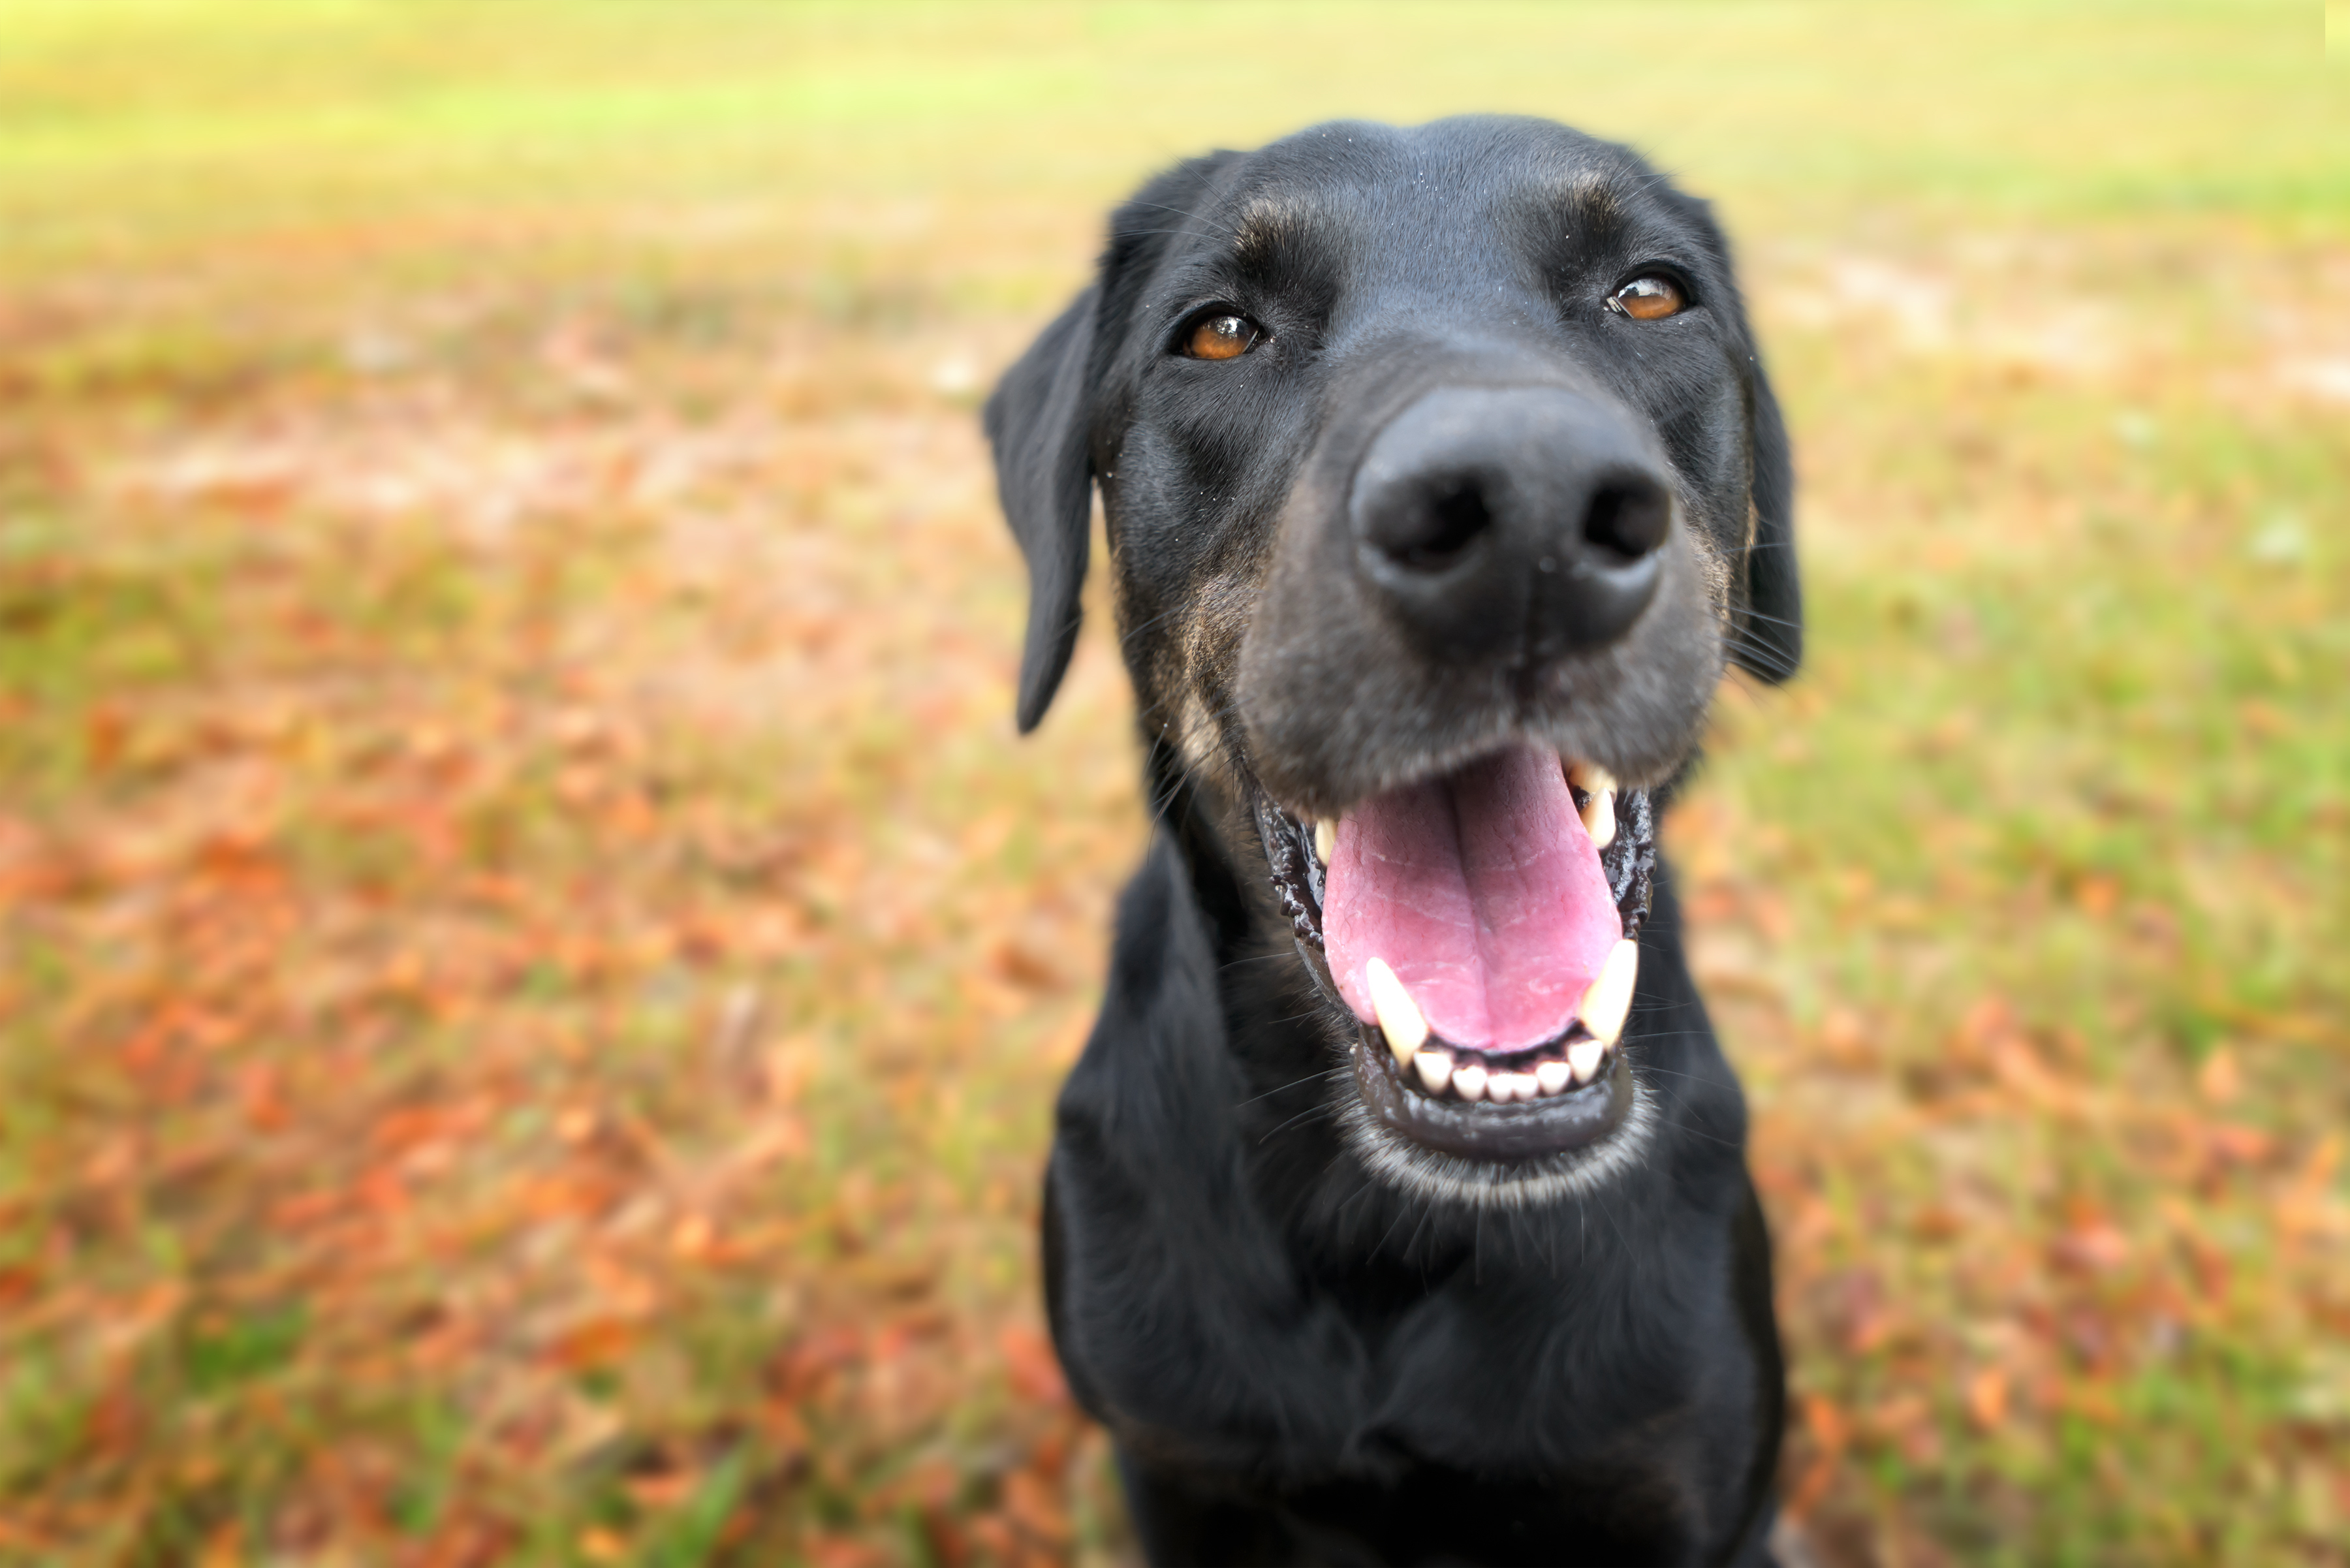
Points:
point(1558, 1124)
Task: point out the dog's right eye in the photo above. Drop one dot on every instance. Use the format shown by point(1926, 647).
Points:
point(1223, 336)
point(1651, 296)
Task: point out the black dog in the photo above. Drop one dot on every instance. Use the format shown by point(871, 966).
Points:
point(1440, 479)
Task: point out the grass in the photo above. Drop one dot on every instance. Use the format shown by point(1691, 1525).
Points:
point(533, 968)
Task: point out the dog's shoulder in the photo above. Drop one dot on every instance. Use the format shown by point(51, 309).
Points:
point(1187, 1314)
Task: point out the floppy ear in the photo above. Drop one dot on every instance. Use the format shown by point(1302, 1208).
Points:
point(1037, 420)
point(1767, 619)
point(1771, 621)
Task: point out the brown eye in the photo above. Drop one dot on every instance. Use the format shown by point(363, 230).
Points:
point(1222, 337)
point(1648, 297)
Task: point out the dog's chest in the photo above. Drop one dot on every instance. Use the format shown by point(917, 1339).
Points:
point(1239, 1355)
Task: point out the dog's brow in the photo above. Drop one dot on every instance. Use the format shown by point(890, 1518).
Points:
point(1268, 222)
point(1590, 195)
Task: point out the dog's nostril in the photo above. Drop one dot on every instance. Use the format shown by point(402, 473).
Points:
point(1627, 518)
point(1428, 523)
point(1455, 517)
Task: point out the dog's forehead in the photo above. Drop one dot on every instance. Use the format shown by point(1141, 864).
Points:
point(1458, 185)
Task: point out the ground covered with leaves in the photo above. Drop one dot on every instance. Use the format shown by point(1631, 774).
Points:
point(533, 968)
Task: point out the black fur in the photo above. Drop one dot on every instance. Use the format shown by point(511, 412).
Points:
point(1302, 1360)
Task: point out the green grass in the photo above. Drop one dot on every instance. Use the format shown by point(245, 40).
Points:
point(533, 968)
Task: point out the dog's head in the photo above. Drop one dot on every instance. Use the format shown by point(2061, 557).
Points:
point(1440, 478)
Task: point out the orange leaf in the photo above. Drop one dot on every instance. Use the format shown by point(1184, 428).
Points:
point(1031, 1505)
point(1987, 1398)
point(595, 1342)
point(1029, 1361)
point(1829, 1426)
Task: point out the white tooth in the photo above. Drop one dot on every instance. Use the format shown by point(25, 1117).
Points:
point(1583, 1056)
point(1599, 818)
point(1326, 840)
point(1591, 778)
point(1435, 1070)
point(1469, 1081)
point(1399, 1018)
point(1520, 1085)
point(1604, 1005)
point(1552, 1076)
point(1501, 1087)
point(1599, 812)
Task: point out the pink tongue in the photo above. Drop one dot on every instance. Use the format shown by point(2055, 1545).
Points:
point(1484, 895)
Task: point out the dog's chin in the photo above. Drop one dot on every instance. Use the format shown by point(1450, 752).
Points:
point(1505, 1105)
point(1603, 1131)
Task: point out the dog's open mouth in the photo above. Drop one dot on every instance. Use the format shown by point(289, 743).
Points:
point(1480, 927)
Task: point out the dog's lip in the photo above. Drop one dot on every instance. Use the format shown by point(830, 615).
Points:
point(1528, 1129)
point(1554, 1124)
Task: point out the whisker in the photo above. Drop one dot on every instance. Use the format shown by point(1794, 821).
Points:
point(1282, 1090)
point(1321, 1108)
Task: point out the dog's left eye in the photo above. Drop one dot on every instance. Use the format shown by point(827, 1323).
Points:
point(1648, 297)
point(1222, 336)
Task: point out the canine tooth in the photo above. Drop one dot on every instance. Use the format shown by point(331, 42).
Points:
point(1591, 778)
point(1584, 1057)
point(1469, 1081)
point(1552, 1076)
point(1400, 1016)
point(1517, 1086)
point(1326, 840)
point(1609, 998)
point(1599, 818)
point(1435, 1070)
point(1598, 812)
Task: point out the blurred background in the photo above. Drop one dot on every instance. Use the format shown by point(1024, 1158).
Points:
point(533, 970)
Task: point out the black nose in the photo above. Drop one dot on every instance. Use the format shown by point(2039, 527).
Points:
point(1495, 516)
